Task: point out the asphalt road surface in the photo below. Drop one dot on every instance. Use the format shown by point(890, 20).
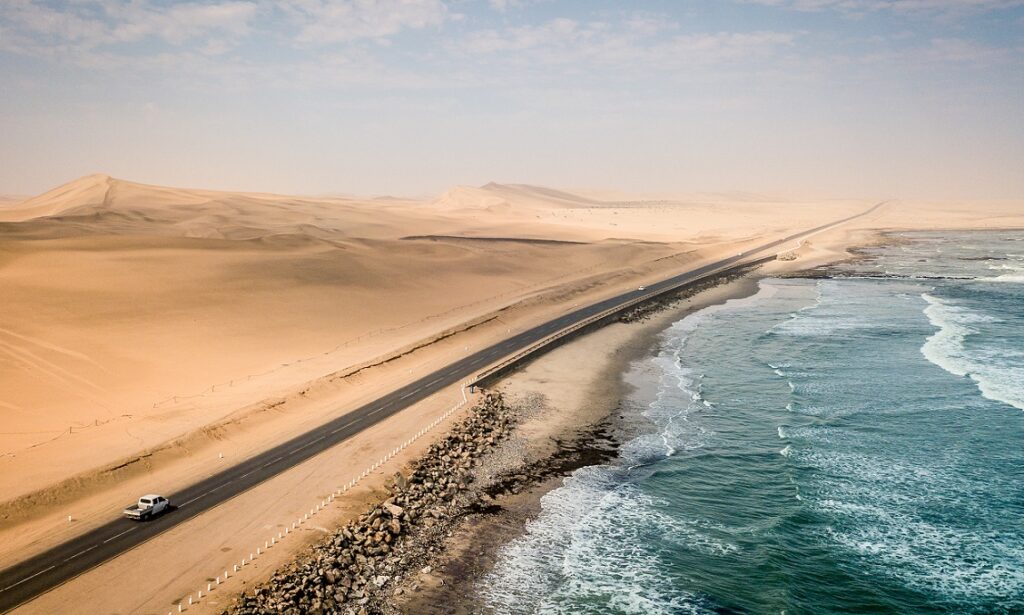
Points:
point(43, 572)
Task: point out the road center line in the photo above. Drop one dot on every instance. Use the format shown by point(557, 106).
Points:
point(193, 500)
point(82, 552)
point(306, 445)
point(28, 578)
point(527, 339)
point(131, 529)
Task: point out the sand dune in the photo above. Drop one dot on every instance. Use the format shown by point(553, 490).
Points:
point(136, 315)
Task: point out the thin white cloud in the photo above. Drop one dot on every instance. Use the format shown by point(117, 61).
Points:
point(327, 44)
point(940, 7)
point(196, 38)
point(84, 28)
point(643, 41)
point(332, 21)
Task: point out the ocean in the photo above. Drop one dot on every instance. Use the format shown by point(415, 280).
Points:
point(852, 444)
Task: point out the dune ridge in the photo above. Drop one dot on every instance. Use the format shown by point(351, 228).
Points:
point(144, 319)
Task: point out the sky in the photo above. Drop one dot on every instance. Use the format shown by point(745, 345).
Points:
point(836, 98)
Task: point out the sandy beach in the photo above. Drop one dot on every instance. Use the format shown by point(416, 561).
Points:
point(239, 367)
point(145, 326)
point(511, 307)
point(575, 395)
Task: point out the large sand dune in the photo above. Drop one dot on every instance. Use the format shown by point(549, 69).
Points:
point(135, 316)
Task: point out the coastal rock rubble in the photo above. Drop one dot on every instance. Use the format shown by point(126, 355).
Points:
point(645, 310)
point(353, 571)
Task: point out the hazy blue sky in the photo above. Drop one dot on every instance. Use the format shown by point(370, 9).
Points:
point(840, 97)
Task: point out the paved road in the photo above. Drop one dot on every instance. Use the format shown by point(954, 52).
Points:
point(62, 563)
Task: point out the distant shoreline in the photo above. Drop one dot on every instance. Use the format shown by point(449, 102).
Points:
point(565, 435)
point(579, 426)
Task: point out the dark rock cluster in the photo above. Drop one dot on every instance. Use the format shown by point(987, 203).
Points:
point(645, 310)
point(352, 570)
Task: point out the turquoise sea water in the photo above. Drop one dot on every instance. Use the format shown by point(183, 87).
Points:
point(846, 445)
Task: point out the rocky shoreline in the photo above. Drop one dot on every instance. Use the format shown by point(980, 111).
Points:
point(366, 566)
point(356, 568)
point(424, 549)
point(666, 301)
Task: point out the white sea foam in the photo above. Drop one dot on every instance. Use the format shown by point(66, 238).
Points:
point(1014, 273)
point(571, 555)
point(994, 372)
point(934, 558)
point(1008, 278)
point(875, 507)
point(785, 452)
point(819, 318)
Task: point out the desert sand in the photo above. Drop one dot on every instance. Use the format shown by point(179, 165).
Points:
point(135, 316)
point(147, 331)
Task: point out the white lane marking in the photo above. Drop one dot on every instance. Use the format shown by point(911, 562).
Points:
point(345, 425)
point(192, 500)
point(270, 463)
point(122, 533)
point(28, 578)
point(306, 445)
point(82, 552)
point(409, 394)
point(375, 412)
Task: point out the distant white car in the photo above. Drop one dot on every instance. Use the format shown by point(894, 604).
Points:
point(641, 288)
point(148, 507)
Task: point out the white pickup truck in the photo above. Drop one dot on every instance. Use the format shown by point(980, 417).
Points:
point(148, 507)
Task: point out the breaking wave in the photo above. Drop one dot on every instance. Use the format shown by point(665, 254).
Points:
point(990, 368)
